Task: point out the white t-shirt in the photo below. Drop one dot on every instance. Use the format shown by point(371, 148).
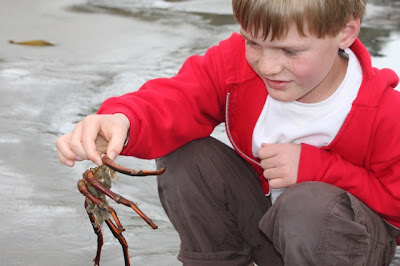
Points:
point(316, 124)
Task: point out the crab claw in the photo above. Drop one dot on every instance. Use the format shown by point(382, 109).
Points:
point(132, 172)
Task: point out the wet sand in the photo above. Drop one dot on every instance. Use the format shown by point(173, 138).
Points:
point(45, 91)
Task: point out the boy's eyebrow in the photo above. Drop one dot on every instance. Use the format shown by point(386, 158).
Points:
point(283, 46)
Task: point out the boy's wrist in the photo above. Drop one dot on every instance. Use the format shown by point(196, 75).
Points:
point(126, 123)
point(124, 119)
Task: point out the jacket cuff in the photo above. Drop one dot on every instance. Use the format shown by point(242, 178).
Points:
point(310, 163)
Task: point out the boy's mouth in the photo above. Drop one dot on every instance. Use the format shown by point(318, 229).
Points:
point(276, 84)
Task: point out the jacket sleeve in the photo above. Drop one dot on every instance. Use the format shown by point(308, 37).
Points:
point(377, 181)
point(167, 113)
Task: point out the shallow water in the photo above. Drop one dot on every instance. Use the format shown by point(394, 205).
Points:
point(102, 48)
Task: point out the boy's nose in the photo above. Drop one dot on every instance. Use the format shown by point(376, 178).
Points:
point(269, 65)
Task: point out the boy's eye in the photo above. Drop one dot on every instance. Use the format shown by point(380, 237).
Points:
point(290, 52)
point(248, 42)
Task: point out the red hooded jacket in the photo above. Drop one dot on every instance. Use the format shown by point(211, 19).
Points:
point(363, 159)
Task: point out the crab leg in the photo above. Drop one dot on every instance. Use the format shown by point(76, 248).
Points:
point(97, 230)
point(132, 172)
point(115, 229)
point(118, 235)
point(84, 190)
point(118, 198)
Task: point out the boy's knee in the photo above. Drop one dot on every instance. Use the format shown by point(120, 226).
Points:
point(298, 212)
point(319, 221)
point(307, 206)
point(192, 170)
point(310, 192)
point(308, 200)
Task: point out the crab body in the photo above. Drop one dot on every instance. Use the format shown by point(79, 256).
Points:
point(106, 177)
point(95, 186)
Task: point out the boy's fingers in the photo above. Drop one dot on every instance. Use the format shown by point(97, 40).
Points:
point(90, 131)
point(89, 139)
point(64, 160)
point(116, 144)
point(271, 173)
point(275, 183)
point(271, 162)
point(65, 154)
point(266, 151)
point(75, 143)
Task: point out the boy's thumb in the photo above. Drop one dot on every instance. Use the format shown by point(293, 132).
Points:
point(112, 155)
point(114, 148)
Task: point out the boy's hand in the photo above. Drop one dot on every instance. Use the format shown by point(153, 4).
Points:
point(280, 163)
point(93, 136)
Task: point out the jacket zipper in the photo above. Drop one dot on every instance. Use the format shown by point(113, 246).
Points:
point(228, 132)
point(230, 136)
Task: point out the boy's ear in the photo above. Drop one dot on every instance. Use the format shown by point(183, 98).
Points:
point(349, 33)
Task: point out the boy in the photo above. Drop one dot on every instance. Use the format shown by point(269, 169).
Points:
point(314, 177)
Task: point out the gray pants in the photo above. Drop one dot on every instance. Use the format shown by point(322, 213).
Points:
point(215, 202)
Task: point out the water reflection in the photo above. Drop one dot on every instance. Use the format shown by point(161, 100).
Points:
point(374, 39)
point(381, 21)
point(386, 2)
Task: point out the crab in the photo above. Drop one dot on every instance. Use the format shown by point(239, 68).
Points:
point(95, 186)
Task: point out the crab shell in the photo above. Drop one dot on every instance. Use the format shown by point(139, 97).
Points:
point(106, 176)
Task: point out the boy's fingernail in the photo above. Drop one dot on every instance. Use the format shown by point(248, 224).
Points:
point(69, 163)
point(79, 158)
point(112, 155)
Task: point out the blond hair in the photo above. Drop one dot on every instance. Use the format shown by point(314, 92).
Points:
point(275, 17)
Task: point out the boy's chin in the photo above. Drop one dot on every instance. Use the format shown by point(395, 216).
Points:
point(282, 96)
